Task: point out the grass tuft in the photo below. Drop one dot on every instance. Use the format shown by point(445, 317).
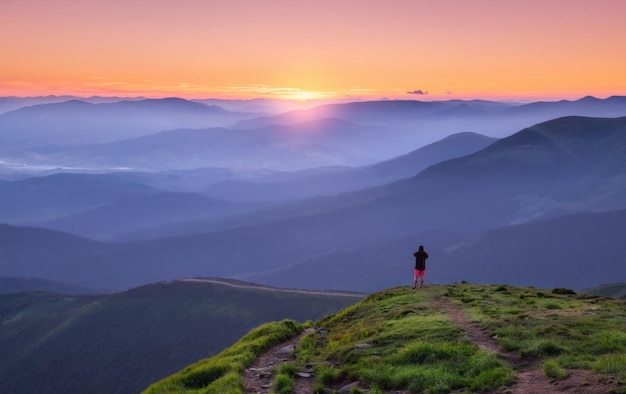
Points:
point(553, 370)
point(327, 374)
point(283, 384)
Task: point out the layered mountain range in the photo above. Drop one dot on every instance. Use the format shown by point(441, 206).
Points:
point(172, 133)
point(549, 197)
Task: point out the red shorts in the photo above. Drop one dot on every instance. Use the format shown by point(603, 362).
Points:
point(418, 273)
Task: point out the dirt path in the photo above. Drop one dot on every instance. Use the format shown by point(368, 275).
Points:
point(530, 376)
point(259, 377)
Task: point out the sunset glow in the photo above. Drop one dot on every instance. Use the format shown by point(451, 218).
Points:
point(302, 50)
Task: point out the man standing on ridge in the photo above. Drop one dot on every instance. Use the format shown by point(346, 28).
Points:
point(420, 266)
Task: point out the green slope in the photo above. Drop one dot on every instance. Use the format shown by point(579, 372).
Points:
point(120, 343)
point(440, 339)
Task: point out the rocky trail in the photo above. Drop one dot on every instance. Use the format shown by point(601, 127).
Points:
point(530, 375)
point(258, 378)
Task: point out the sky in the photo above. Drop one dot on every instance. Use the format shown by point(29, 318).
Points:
point(331, 49)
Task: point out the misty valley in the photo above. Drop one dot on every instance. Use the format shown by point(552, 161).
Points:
point(112, 195)
point(118, 201)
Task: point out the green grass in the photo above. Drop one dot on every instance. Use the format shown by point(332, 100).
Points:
point(398, 340)
point(560, 327)
point(283, 384)
point(553, 370)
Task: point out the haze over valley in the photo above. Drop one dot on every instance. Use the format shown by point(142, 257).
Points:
point(336, 196)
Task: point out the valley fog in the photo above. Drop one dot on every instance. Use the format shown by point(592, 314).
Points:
point(109, 194)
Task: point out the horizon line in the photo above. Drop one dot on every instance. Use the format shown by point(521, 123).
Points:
point(338, 99)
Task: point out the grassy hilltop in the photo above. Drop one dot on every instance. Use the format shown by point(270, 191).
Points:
point(438, 339)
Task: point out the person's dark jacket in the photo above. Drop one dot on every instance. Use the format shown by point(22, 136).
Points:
point(420, 259)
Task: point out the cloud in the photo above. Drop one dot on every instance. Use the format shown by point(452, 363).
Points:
point(419, 92)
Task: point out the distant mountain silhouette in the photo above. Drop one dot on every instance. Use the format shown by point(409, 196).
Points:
point(587, 106)
point(79, 122)
point(80, 134)
point(375, 112)
point(12, 103)
point(486, 117)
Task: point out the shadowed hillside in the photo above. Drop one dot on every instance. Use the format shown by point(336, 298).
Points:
point(122, 342)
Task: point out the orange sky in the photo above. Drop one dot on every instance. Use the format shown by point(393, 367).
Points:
point(495, 49)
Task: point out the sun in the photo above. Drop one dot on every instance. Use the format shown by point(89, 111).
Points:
point(305, 95)
point(298, 94)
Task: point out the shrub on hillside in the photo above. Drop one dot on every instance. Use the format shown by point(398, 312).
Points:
point(563, 291)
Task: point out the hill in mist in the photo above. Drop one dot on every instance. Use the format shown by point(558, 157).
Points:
point(79, 122)
point(134, 205)
point(321, 142)
point(173, 133)
point(335, 180)
point(498, 119)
